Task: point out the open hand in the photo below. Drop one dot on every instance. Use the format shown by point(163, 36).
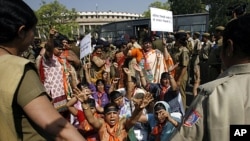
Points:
point(145, 101)
point(165, 114)
point(82, 95)
point(115, 65)
point(126, 70)
point(107, 67)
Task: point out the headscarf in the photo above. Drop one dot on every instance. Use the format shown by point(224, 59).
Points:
point(166, 105)
point(158, 128)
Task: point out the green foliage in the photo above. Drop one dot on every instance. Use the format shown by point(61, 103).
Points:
point(156, 4)
point(218, 10)
point(186, 6)
point(56, 15)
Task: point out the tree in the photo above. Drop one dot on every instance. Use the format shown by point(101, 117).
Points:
point(218, 10)
point(156, 4)
point(186, 6)
point(57, 15)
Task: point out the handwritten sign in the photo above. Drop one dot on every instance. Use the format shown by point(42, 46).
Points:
point(85, 46)
point(161, 20)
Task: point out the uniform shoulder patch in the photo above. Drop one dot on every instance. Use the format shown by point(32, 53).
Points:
point(192, 119)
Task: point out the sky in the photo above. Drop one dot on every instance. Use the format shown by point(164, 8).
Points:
point(130, 6)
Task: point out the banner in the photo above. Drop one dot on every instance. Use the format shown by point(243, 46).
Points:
point(161, 20)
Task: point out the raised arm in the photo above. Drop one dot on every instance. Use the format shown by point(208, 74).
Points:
point(98, 61)
point(113, 85)
point(142, 77)
point(72, 57)
point(137, 113)
point(82, 96)
point(74, 80)
point(86, 68)
point(172, 81)
point(165, 50)
point(129, 87)
point(70, 105)
point(107, 77)
point(50, 44)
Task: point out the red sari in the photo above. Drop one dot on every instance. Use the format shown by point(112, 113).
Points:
point(86, 129)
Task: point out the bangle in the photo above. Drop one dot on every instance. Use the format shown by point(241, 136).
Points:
point(85, 108)
point(141, 76)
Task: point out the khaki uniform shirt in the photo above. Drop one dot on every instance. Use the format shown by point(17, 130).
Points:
point(220, 42)
point(181, 55)
point(197, 46)
point(17, 90)
point(220, 103)
point(157, 44)
point(205, 50)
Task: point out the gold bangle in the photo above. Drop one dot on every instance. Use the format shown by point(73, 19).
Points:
point(142, 76)
point(85, 108)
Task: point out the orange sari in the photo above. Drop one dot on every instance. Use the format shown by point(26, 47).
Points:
point(88, 131)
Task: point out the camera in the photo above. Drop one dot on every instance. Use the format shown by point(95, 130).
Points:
point(238, 9)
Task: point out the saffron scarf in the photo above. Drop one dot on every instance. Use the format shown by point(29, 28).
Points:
point(164, 90)
point(156, 131)
point(99, 96)
point(65, 69)
point(154, 64)
point(112, 134)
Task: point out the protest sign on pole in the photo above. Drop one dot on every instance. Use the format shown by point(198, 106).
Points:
point(85, 46)
point(161, 20)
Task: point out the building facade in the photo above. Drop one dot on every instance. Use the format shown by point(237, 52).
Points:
point(89, 21)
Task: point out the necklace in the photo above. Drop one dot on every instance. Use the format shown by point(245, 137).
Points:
point(5, 50)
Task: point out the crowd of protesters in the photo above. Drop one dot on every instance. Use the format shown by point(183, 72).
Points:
point(118, 76)
point(125, 90)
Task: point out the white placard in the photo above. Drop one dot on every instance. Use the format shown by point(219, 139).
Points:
point(161, 20)
point(85, 46)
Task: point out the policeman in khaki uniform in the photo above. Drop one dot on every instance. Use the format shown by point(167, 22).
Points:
point(181, 55)
point(157, 42)
point(194, 63)
point(203, 56)
point(214, 61)
point(219, 35)
point(190, 42)
point(226, 100)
